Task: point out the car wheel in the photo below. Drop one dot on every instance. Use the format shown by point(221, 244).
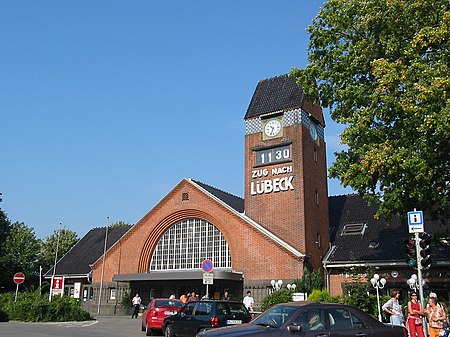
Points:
point(148, 331)
point(169, 331)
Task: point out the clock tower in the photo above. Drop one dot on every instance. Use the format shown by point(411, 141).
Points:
point(285, 167)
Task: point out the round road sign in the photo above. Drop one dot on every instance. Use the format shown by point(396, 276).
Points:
point(19, 278)
point(207, 266)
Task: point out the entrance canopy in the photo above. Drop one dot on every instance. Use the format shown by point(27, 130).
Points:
point(177, 275)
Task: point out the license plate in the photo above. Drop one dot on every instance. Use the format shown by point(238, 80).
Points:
point(169, 313)
point(234, 321)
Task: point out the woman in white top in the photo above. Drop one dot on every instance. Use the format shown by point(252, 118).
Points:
point(393, 308)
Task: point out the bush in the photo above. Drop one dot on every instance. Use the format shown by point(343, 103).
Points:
point(280, 296)
point(323, 296)
point(33, 307)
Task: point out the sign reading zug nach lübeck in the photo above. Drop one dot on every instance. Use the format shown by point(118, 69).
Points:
point(268, 180)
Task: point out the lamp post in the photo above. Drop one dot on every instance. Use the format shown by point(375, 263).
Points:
point(412, 282)
point(378, 283)
point(291, 286)
point(276, 285)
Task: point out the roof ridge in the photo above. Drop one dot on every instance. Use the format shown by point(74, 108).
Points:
point(218, 189)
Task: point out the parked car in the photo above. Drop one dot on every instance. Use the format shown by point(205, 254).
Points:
point(204, 315)
point(311, 319)
point(158, 309)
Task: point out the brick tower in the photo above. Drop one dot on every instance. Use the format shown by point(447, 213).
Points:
point(285, 167)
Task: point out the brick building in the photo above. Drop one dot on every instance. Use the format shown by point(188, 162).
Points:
point(285, 223)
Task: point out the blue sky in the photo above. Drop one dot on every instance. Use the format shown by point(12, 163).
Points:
point(106, 105)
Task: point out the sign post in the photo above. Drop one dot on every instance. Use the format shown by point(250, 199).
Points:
point(18, 278)
point(416, 226)
point(208, 277)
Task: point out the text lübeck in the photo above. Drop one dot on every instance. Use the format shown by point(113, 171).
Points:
point(271, 185)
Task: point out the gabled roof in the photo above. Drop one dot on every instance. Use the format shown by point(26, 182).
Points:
point(378, 240)
point(237, 203)
point(274, 94)
point(88, 250)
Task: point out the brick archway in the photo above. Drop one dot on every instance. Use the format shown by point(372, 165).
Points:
point(159, 230)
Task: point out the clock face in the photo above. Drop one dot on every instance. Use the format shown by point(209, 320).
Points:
point(313, 131)
point(272, 128)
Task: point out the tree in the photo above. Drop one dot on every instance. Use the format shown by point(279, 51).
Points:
point(309, 282)
point(383, 69)
point(19, 253)
point(5, 227)
point(67, 239)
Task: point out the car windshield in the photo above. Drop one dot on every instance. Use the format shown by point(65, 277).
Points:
point(168, 303)
point(275, 317)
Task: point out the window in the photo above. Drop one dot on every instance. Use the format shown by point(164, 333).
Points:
point(188, 309)
point(310, 320)
point(354, 229)
point(112, 293)
point(203, 309)
point(339, 319)
point(184, 196)
point(187, 243)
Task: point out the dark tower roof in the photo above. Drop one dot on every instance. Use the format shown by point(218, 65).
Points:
point(280, 93)
point(274, 94)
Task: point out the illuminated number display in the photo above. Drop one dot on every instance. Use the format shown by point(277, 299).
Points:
point(273, 155)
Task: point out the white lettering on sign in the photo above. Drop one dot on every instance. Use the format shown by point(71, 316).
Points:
point(260, 173)
point(271, 185)
point(282, 170)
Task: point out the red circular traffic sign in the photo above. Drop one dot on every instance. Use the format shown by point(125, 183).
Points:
point(19, 278)
point(207, 266)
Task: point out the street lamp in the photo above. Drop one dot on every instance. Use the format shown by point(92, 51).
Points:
point(291, 286)
point(378, 283)
point(413, 282)
point(276, 285)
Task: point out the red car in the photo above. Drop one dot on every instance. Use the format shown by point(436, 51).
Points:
point(156, 311)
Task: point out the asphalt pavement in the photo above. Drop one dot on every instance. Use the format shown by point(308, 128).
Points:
point(101, 326)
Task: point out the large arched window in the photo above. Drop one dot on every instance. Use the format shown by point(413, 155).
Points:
point(187, 243)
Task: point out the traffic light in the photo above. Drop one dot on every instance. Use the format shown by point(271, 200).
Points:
point(425, 252)
point(411, 253)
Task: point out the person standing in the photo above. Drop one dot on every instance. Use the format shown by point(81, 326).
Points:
point(226, 296)
point(248, 301)
point(415, 311)
point(193, 297)
point(393, 308)
point(136, 301)
point(436, 315)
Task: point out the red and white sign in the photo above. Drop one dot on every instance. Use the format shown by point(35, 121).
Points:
point(19, 278)
point(58, 285)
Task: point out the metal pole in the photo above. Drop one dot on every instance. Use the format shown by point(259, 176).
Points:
point(54, 266)
point(378, 303)
point(419, 268)
point(17, 290)
point(103, 271)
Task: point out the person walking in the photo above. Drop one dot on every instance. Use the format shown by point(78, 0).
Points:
point(248, 301)
point(394, 309)
point(436, 317)
point(415, 311)
point(136, 301)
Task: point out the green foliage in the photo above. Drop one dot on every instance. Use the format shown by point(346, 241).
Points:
point(361, 298)
point(309, 282)
point(383, 69)
point(19, 253)
point(280, 296)
point(318, 295)
point(67, 239)
point(119, 224)
point(33, 307)
point(126, 300)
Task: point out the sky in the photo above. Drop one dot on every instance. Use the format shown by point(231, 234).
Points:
point(106, 105)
